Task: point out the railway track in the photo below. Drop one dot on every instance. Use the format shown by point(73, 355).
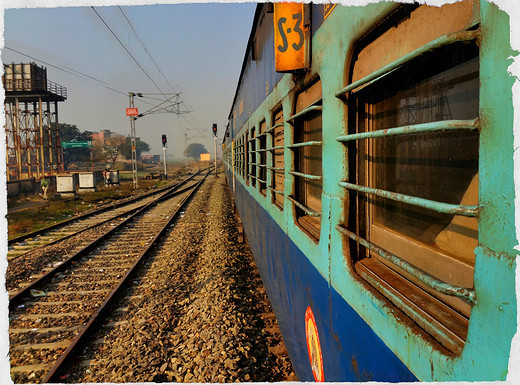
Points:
point(24, 244)
point(34, 254)
point(52, 317)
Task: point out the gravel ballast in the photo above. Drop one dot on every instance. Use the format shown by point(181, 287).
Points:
point(196, 313)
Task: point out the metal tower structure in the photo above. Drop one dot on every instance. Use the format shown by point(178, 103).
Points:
point(31, 113)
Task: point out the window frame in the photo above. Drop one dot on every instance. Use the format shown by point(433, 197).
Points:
point(450, 328)
point(277, 189)
point(307, 107)
point(262, 158)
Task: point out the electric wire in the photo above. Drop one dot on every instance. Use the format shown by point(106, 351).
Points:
point(126, 49)
point(144, 47)
point(69, 70)
point(135, 60)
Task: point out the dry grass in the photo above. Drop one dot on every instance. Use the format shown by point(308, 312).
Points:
point(56, 209)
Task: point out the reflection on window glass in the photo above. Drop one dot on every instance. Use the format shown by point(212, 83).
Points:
point(437, 166)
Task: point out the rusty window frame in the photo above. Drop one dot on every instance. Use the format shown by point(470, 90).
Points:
point(441, 332)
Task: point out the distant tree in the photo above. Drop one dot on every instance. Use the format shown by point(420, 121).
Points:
point(194, 150)
point(71, 133)
point(140, 147)
point(112, 148)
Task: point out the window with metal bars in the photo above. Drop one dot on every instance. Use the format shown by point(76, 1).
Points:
point(262, 159)
point(252, 158)
point(413, 148)
point(242, 156)
point(307, 171)
point(246, 157)
point(278, 162)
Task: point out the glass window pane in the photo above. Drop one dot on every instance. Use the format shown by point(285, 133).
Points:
point(437, 166)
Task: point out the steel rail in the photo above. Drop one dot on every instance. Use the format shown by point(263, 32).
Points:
point(80, 339)
point(19, 295)
point(100, 223)
point(92, 213)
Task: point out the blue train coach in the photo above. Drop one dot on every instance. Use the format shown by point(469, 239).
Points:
point(370, 155)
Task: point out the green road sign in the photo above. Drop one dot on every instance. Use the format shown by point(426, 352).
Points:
point(83, 144)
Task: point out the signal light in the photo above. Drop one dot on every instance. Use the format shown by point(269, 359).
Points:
point(215, 129)
point(164, 140)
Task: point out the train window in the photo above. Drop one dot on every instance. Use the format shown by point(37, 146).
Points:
point(262, 159)
point(307, 170)
point(235, 148)
point(413, 186)
point(278, 166)
point(246, 156)
point(242, 156)
point(239, 169)
point(239, 156)
point(252, 158)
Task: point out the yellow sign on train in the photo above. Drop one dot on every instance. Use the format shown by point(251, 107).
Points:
point(290, 37)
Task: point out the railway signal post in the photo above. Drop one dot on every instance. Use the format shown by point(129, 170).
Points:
point(214, 128)
point(164, 146)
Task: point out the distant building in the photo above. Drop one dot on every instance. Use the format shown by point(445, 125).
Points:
point(152, 159)
point(101, 136)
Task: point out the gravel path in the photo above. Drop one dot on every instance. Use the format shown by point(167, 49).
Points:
point(198, 312)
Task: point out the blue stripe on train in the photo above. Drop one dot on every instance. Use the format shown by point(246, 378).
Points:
point(351, 350)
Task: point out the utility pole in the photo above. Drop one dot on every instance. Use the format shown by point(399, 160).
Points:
point(134, 114)
point(215, 140)
point(185, 147)
point(133, 141)
point(164, 146)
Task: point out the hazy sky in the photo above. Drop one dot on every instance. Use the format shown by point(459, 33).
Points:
point(198, 48)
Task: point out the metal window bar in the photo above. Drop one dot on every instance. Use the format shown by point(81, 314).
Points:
point(275, 168)
point(429, 280)
point(306, 176)
point(307, 210)
point(304, 112)
point(275, 148)
point(442, 41)
point(269, 130)
point(305, 144)
point(445, 125)
point(275, 191)
point(261, 180)
point(447, 208)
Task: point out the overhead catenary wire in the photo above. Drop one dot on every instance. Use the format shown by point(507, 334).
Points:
point(173, 108)
point(164, 101)
point(145, 49)
point(135, 60)
point(68, 70)
point(126, 49)
point(78, 74)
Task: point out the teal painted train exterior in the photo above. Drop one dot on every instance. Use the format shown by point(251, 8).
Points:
point(363, 333)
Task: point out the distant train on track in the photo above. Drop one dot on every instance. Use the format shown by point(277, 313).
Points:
point(370, 154)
